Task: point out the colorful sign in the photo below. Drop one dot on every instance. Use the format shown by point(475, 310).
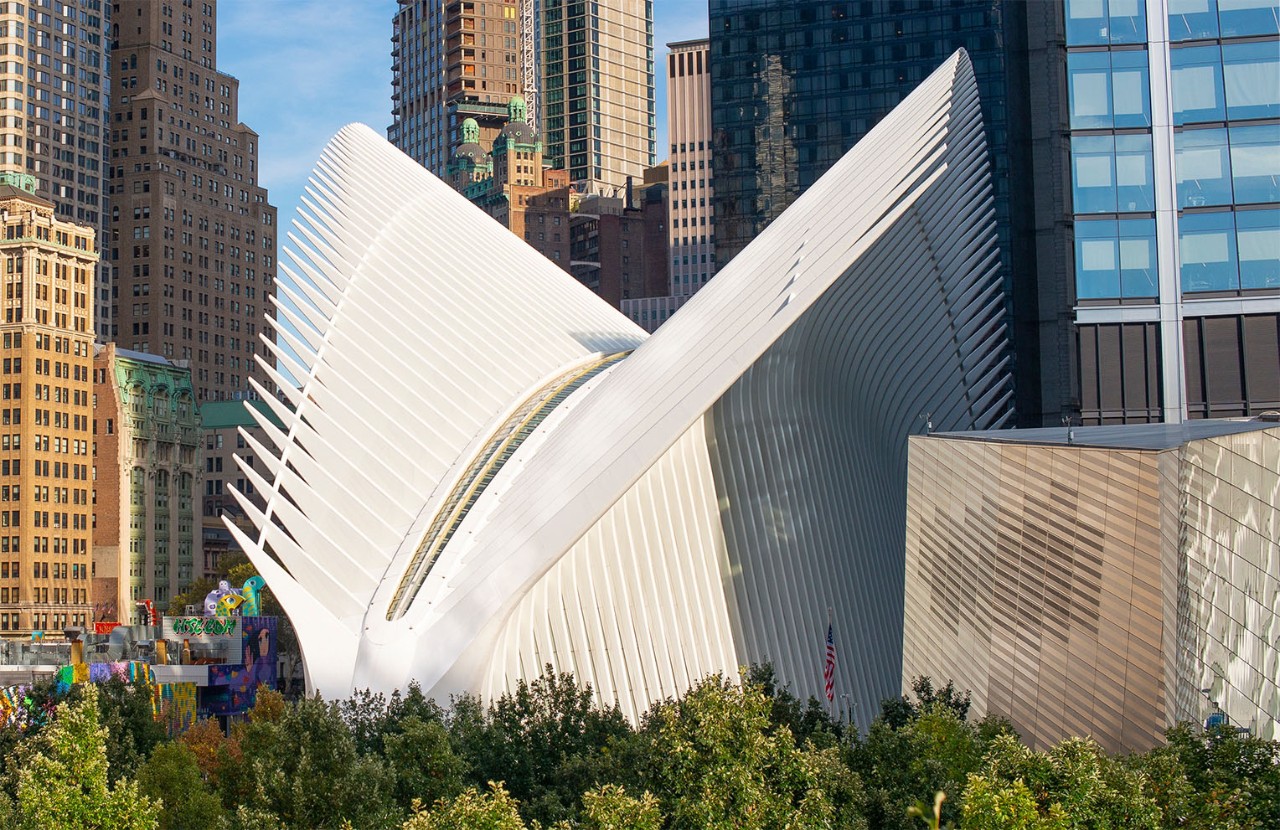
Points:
point(178, 628)
point(104, 627)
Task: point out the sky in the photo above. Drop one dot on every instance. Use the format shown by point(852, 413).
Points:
point(309, 67)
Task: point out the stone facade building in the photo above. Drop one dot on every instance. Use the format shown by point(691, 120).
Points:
point(147, 461)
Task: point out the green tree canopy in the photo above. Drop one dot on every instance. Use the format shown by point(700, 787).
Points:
point(62, 777)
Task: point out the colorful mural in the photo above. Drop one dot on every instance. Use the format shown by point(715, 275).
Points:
point(16, 708)
point(234, 688)
point(174, 705)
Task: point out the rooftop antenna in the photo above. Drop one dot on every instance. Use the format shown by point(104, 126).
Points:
point(1066, 422)
point(928, 422)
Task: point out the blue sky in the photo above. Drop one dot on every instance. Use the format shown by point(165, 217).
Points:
point(308, 67)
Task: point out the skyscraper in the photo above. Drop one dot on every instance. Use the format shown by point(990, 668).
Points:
point(596, 99)
point(584, 68)
point(46, 341)
point(1172, 193)
point(794, 85)
point(193, 237)
point(693, 227)
point(451, 61)
point(54, 113)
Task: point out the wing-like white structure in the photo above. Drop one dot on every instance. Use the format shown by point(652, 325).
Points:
point(487, 469)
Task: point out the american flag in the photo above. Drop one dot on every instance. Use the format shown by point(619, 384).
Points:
point(829, 668)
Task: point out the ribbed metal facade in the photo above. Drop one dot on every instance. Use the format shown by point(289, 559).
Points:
point(1095, 590)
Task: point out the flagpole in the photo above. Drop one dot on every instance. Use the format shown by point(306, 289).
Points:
point(831, 700)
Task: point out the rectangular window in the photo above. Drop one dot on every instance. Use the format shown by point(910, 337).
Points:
point(1255, 164)
point(1207, 248)
point(1197, 84)
point(1108, 89)
point(1098, 22)
point(1203, 168)
point(1112, 174)
point(1258, 243)
point(1251, 77)
point(1193, 19)
point(1238, 18)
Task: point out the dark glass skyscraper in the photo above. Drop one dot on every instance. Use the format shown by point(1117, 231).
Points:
point(795, 85)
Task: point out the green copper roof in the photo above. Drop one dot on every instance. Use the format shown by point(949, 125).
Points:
point(228, 414)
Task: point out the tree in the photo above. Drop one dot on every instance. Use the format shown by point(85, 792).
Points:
point(717, 761)
point(471, 810)
point(548, 741)
point(209, 747)
point(1073, 782)
point(897, 712)
point(808, 721)
point(1216, 778)
point(62, 776)
point(934, 750)
point(989, 805)
point(124, 709)
point(303, 768)
point(422, 764)
point(610, 808)
point(172, 777)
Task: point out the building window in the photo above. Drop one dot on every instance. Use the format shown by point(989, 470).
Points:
point(1197, 84)
point(1203, 168)
point(1251, 75)
point(1193, 19)
point(1112, 174)
point(1207, 248)
point(1116, 258)
point(1258, 240)
point(1255, 163)
point(1108, 89)
point(1099, 22)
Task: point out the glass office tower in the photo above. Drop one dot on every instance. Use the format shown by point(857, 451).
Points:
point(1174, 141)
point(795, 85)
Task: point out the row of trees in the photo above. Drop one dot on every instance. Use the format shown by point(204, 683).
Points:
point(747, 756)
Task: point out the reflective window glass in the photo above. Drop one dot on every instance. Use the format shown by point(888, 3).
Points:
point(1097, 260)
point(1251, 76)
point(1115, 259)
point(1255, 163)
point(1108, 89)
point(1193, 19)
point(1207, 249)
point(1099, 22)
point(1093, 174)
point(1089, 87)
point(1258, 237)
point(1197, 84)
point(1138, 276)
point(1134, 189)
point(1128, 21)
point(1130, 90)
point(1203, 168)
point(1087, 22)
point(1237, 18)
